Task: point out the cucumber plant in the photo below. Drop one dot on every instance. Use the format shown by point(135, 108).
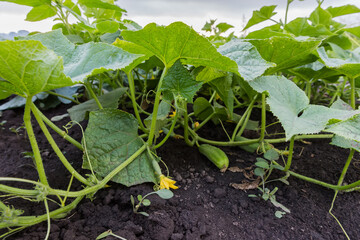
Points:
point(171, 68)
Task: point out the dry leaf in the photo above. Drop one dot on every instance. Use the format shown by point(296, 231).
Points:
point(246, 185)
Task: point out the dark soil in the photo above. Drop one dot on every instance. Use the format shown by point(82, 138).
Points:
point(204, 207)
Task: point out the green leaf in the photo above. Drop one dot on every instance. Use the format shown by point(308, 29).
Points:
point(350, 66)
point(30, 3)
point(180, 83)
point(250, 63)
point(301, 27)
point(345, 143)
point(202, 108)
point(291, 106)
point(146, 202)
point(100, 4)
point(262, 164)
point(29, 68)
point(81, 61)
point(349, 128)
point(165, 193)
point(4, 94)
point(208, 74)
point(320, 16)
point(109, 100)
point(249, 148)
point(179, 41)
point(286, 52)
point(259, 172)
point(104, 235)
point(223, 27)
point(353, 30)
point(111, 138)
point(279, 214)
point(265, 13)
point(223, 88)
point(72, 6)
point(133, 48)
point(342, 10)
point(315, 70)
point(267, 32)
point(271, 155)
point(40, 13)
point(107, 26)
point(144, 214)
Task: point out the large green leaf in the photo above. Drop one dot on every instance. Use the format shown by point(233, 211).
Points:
point(29, 68)
point(353, 30)
point(342, 10)
point(349, 128)
point(134, 49)
point(291, 106)
point(320, 16)
point(111, 138)
point(86, 59)
point(250, 63)
point(345, 143)
point(180, 83)
point(286, 52)
point(109, 100)
point(40, 13)
point(265, 13)
point(179, 41)
point(348, 65)
point(315, 70)
point(30, 3)
point(301, 27)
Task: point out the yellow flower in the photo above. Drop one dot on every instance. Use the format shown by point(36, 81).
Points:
point(167, 183)
point(196, 124)
point(172, 114)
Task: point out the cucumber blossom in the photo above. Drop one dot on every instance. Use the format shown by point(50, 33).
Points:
point(215, 155)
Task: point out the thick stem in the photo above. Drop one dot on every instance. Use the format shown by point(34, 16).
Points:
point(155, 109)
point(243, 117)
point(33, 142)
point(263, 117)
point(352, 96)
point(133, 100)
point(58, 130)
point(291, 151)
point(56, 149)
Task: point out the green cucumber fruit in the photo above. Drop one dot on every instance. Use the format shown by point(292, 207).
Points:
point(215, 155)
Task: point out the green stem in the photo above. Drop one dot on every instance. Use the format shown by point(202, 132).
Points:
point(133, 100)
point(204, 122)
point(88, 190)
point(352, 96)
point(57, 129)
point(155, 109)
point(243, 117)
point(3, 206)
point(55, 147)
point(169, 133)
point(29, 221)
point(93, 95)
point(33, 142)
point(263, 117)
point(48, 219)
point(62, 96)
point(291, 151)
point(186, 128)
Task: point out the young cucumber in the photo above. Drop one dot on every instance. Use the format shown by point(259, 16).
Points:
point(215, 155)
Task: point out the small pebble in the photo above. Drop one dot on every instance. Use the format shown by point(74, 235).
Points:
point(209, 179)
point(219, 193)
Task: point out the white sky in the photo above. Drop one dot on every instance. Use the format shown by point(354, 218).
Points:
point(192, 12)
